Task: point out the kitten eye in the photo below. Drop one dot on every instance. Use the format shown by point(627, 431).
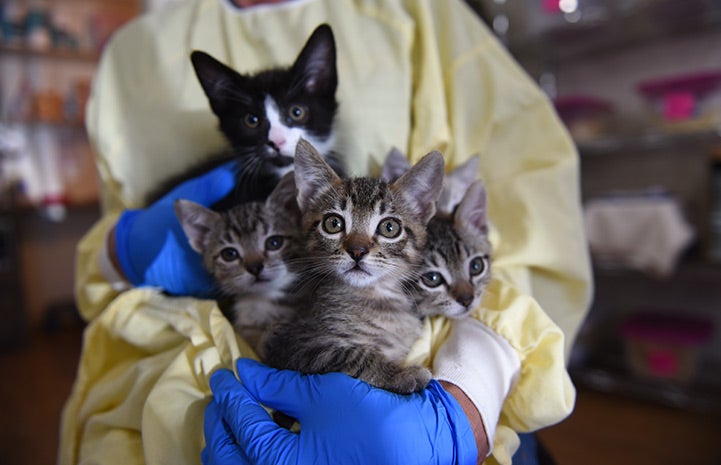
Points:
point(274, 242)
point(333, 224)
point(251, 120)
point(229, 254)
point(432, 279)
point(297, 113)
point(477, 266)
point(389, 227)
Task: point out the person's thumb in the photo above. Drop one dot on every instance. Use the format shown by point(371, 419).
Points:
point(220, 444)
point(262, 440)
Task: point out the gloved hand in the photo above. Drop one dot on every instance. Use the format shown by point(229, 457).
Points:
point(221, 448)
point(150, 243)
point(342, 420)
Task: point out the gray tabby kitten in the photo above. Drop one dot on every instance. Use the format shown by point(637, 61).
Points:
point(455, 183)
point(363, 238)
point(456, 260)
point(246, 250)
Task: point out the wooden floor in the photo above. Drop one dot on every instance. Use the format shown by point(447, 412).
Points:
point(603, 430)
point(37, 379)
point(606, 429)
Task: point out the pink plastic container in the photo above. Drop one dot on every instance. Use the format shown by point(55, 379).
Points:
point(665, 347)
point(689, 101)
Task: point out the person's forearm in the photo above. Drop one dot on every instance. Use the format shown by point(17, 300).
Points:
point(112, 252)
point(474, 418)
point(109, 264)
point(483, 367)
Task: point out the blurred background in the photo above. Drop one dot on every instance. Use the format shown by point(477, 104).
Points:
point(638, 85)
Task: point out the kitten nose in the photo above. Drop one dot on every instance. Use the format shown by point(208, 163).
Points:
point(463, 292)
point(276, 139)
point(357, 252)
point(465, 299)
point(276, 144)
point(254, 268)
point(357, 246)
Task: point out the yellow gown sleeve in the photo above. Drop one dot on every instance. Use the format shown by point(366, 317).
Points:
point(472, 98)
point(92, 290)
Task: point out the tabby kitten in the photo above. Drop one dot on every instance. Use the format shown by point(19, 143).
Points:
point(264, 115)
point(456, 260)
point(246, 250)
point(455, 183)
point(363, 238)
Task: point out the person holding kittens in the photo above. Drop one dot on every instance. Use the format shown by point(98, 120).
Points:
point(158, 380)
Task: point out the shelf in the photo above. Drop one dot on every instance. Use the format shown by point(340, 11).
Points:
point(701, 396)
point(36, 123)
point(603, 368)
point(690, 269)
point(691, 288)
point(649, 142)
point(23, 207)
point(89, 56)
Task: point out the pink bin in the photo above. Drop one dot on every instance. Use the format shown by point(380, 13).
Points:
point(665, 347)
point(688, 101)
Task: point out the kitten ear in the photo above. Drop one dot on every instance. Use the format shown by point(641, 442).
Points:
point(313, 175)
point(456, 184)
point(218, 80)
point(421, 185)
point(197, 222)
point(472, 213)
point(315, 67)
point(283, 198)
point(395, 165)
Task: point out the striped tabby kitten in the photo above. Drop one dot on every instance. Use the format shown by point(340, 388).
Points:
point(363, 238)
point(455, 183)
point(457, 259)
point(246, 250)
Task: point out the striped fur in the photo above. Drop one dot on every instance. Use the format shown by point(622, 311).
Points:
point(354, 315)
point(457, 259)
point(246, 250)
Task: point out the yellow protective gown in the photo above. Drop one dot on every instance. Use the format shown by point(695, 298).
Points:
point(414, 74)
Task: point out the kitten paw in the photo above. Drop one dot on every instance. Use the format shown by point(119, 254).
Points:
point(410, 379)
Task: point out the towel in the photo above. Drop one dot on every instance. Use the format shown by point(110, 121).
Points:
point(644, 232)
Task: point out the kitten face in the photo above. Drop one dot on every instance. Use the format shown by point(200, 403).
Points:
point(264, 115)
point(245, 248)
point(248, 257)
point(456, 261)
point(454, 272)
point(365, 231)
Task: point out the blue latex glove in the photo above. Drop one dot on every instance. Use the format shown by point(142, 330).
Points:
point(221, 448)
point(342, 421)
point(150, 243)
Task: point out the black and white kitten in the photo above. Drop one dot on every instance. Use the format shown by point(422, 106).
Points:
point(263, 116)
point(363, 238)
point(246, 249)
